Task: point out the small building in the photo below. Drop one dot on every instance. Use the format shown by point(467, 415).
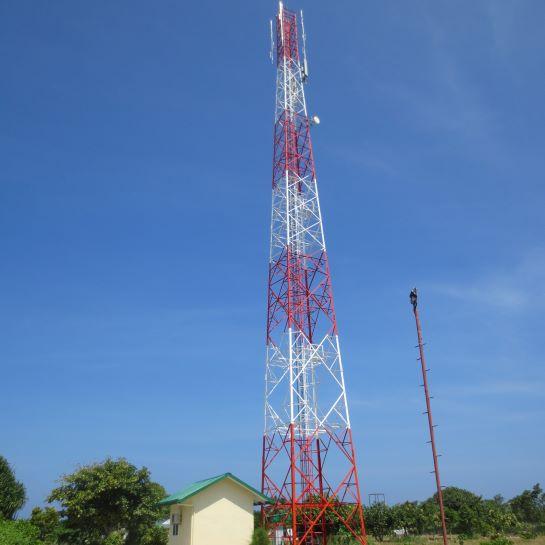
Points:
point(214, 511)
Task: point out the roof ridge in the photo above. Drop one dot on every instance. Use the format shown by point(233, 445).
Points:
point(210, 478)
point(198, 486)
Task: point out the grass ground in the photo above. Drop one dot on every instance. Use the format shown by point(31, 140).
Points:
point(453, 540)
point(437, 540)
point(517, 540)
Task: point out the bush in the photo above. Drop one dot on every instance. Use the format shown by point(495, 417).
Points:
point(340, 540)
point(526, 531)
point(409, 540)
point(260, 537)
point(19, 532)
point(156, 535)
point(497, 540)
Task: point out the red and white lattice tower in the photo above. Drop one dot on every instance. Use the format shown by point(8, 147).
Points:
point(308, 464)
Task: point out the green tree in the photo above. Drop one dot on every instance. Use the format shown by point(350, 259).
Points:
point(260, 537)
point(100, 499)
point(379, 520)
point(529, 506)
point(497, 518)
point(463, 511)
point(498, 499)
point(12, 492)
point(431, 518)
point(410, 517)
point(18, 532)
point(48, 523)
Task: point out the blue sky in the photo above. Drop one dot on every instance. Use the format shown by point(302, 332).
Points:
point(134, 216)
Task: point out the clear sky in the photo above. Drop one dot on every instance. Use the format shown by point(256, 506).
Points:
point(135, 144)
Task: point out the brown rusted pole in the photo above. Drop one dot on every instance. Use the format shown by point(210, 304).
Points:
point(414, 303)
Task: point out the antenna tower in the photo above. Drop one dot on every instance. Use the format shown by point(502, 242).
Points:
point(308, 463)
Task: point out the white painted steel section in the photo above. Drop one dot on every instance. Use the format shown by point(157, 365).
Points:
point(304, 381)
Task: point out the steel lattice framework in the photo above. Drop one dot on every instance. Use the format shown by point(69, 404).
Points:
point(308, 464)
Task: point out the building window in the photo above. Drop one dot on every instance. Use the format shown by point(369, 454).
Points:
point(175, 523)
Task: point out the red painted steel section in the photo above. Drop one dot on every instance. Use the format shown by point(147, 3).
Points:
point(431, 427)
point(307, 492)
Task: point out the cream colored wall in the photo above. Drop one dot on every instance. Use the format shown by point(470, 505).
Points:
point(223, 515)
point(186, 522)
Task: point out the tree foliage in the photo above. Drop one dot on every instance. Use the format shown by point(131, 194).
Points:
point(379, 520)
point(12, 492)
point(115, 503)
point(497, 518)
point(100, 501)
point(48, 523)
point(156, 535)
point(410, 517)
point(18, 532)
point(529, 506)
point(463, 511)
point(117, 537)
point(467, 515)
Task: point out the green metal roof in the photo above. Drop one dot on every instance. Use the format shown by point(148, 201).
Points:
point(197, 487)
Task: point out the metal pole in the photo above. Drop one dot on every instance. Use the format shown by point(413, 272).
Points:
point(414, 303)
